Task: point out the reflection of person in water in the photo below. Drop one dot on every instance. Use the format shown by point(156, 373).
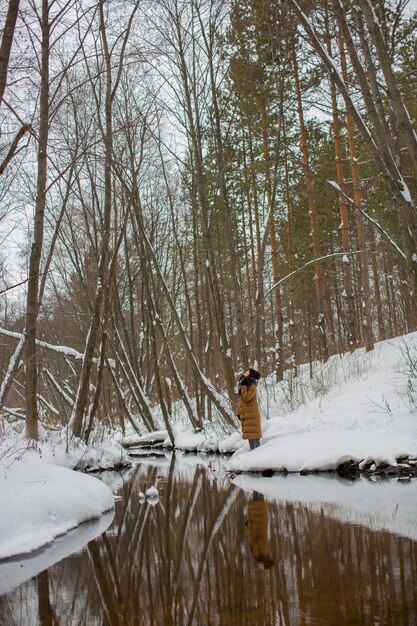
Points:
point(257, 529)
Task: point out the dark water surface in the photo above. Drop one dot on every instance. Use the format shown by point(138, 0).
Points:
point(255, 552)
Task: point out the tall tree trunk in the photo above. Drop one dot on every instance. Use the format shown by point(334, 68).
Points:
point(32, 302)
point(346, 265)
point(291, 323)
point(318, 268)
point(364, 261)
point(279, 361)
point(259, 293)
point(240, 325)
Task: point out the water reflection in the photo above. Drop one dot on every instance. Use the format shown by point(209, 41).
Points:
point(194, 559)
point(258, 531)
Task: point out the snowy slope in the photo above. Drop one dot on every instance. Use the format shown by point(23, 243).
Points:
point(359, 407)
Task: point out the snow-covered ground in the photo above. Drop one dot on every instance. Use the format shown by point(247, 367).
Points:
point(40, 501)
point(41, 496)
point(360, 407)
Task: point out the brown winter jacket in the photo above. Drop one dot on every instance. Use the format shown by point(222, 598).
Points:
point(248, 411)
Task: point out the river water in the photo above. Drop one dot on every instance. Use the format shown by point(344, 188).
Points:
point(221, 550)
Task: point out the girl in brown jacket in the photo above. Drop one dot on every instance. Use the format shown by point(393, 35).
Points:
point(248, 409)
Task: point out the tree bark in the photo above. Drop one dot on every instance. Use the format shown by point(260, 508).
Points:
point(318, 269)
point(344, 227)
point(279, 361)
point(357, 195)
point(403, 118)
point(32, 301)
point(6, 43)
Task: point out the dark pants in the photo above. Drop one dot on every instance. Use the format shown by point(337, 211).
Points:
point(254, 443)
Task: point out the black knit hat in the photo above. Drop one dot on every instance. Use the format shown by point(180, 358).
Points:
point(254, 374)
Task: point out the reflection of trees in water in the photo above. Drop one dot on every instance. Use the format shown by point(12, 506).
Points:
point(188, 560)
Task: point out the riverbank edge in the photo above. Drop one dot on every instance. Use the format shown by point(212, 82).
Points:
point(46, 502)
point(406, 467)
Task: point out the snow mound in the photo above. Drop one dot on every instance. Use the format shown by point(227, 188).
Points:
point(14, 571)
point(40, 501)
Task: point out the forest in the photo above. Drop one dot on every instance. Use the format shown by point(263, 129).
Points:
point(190, 187)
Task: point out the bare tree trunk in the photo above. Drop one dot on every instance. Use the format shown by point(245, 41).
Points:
point(32, 302)
point(77, 418)
point(318, 269)
point(103, 270)
point(347, 270)
point(6, 43)
point(279, 361)
point(364, 260)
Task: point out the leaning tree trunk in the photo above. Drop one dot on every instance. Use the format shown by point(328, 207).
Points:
point(405, 126)
point(6, 43)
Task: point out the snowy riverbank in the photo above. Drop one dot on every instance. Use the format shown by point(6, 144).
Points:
point(365, 412)
point(40, 502)
point(41, 496)
point(359, 408)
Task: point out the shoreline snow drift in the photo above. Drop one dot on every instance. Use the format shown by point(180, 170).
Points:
point(40, 502)
point(16, 570)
